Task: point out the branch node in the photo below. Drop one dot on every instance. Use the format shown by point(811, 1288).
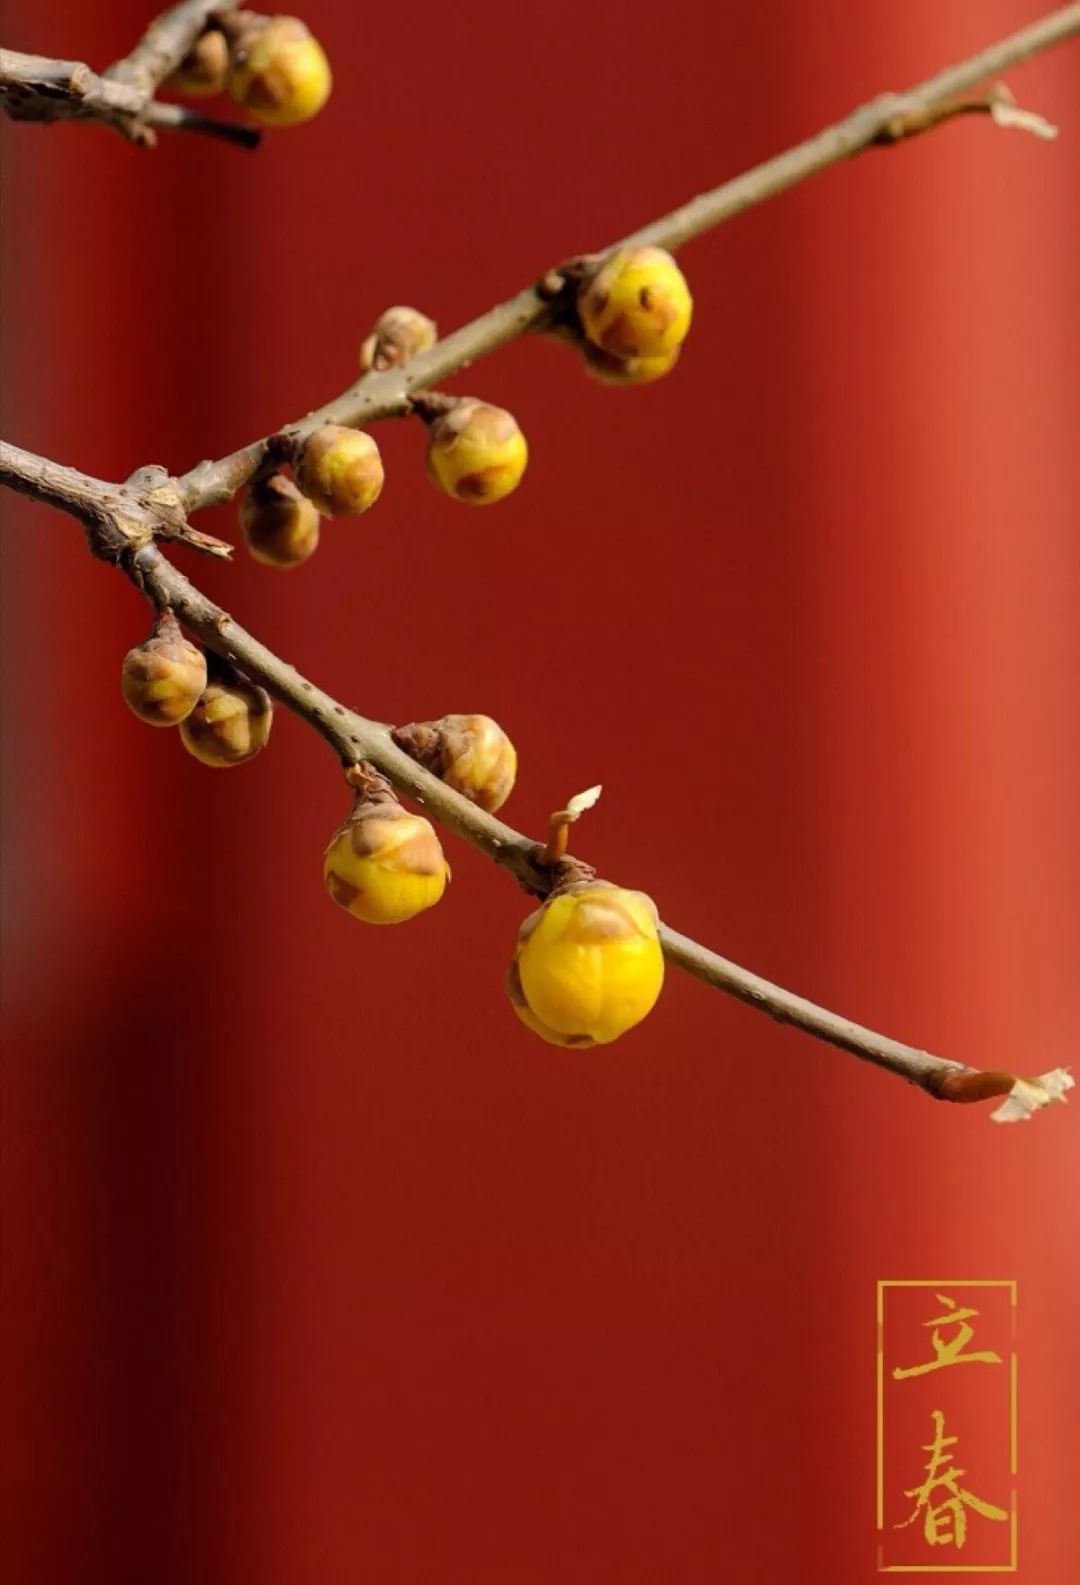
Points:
point(430, 405)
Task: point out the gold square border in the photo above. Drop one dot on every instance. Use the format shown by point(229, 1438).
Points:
point(946, 1282)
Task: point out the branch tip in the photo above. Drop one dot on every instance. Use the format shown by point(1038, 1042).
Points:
point(1005, 113)
point(1028, 1096)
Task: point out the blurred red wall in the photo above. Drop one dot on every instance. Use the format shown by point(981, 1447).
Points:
point(319, 1268)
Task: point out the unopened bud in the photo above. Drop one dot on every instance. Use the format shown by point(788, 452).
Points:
point(204, 67)
point(476, 452)
point(340, 470)
point(470, 753)
point(637, 305)
point(610, 370)
point(162, 679)
point(230, 723)
point(588, 964)
point(397, 335)
point(385, 865)
point(277, 71)
point(281, 526)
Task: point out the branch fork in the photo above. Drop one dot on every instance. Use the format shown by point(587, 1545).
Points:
point(38, 88)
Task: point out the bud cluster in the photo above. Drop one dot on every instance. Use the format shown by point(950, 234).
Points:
point(337, 472)
point(588, 964)
point(269, 65)
point(168, 681)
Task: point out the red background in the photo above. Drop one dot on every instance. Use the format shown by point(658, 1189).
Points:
point(319, 1267)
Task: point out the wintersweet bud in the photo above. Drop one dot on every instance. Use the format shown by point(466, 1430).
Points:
point(476, 452)
point(588, 964)
point(340, 470)
point(398, 334)
point(637, 305)
point(162, 679)
point(280, 524)
point(277, 71)
point(385, 865)
point(203, 69)
point(470, 753)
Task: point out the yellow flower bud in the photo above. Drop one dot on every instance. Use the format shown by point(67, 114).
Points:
point(385, 865)
point(230, 723)
point(340, 470)
point(637, 305)
point(280, 525)
point(398, 335)
point(476, 452)
point(162, 679)
point(610, 370)
point(470, 753)
point(589, 964)
point(278, 72)
point(203, 69)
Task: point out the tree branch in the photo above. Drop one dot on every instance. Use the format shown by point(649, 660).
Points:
point(355, 738)
point(884, 121)
point(122, 522)
point(38, 88)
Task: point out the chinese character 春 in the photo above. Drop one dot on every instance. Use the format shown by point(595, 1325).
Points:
point(949, 1351)
point(945, 1519)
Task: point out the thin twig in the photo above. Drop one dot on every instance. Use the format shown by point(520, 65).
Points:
point(885, 121)
point(180, 118)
